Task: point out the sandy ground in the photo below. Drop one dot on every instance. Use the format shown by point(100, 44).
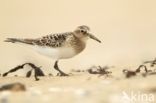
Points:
point(125, 27)
point(82, 87)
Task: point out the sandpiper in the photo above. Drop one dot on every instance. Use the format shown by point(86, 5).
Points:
point(60, 45)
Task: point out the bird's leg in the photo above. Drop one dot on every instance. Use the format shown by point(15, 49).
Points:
point(57, 68)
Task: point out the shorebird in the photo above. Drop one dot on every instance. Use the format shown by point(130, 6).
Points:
point(60, 45)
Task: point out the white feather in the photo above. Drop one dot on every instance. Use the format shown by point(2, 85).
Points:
point(56, 53)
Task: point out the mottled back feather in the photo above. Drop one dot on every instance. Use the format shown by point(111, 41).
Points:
point(52, 40)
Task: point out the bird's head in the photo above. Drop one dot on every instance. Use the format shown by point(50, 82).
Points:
point(82, 32)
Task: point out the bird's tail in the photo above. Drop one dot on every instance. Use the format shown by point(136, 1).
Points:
point(16, 40)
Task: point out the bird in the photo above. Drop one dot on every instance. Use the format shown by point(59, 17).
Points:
point(59, 45)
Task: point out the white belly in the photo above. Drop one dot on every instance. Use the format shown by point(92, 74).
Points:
point(56, 53)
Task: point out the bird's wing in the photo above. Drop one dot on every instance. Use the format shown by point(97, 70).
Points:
point(52, 40)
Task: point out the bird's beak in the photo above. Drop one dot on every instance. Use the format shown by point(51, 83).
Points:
point(94, 38)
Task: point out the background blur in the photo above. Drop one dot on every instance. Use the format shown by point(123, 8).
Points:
point(127, 29)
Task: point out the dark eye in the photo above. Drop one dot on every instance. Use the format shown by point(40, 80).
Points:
point(83, 31)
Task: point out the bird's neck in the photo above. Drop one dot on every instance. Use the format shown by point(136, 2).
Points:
point(84, 40)
point(80, 45)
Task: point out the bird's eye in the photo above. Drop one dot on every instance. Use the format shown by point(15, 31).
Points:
point(83, 31)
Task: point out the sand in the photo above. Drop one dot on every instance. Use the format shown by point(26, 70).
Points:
point(82, 87)
point(125, 27)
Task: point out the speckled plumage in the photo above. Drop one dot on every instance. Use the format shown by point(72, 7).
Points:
point(60, 45)
point(52, 40)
